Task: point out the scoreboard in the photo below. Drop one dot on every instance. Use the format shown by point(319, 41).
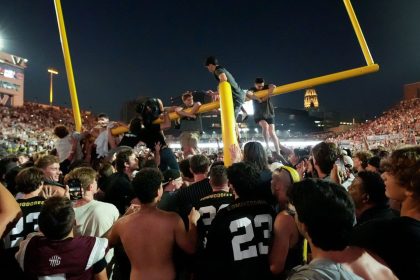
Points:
point(12, 78)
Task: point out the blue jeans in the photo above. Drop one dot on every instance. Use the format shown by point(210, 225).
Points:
point(167, 160)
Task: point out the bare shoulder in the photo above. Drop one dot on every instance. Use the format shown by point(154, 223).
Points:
point(172, 216)
point(284, 219)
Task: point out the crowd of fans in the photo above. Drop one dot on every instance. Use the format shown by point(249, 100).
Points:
point(399, 125)
point(29, 129)
point(99, 206)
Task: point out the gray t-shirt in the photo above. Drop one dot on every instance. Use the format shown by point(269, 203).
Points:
point(322, 269)
point(238, 94)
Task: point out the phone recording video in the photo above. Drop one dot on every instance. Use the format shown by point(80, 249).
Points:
point(75, 189)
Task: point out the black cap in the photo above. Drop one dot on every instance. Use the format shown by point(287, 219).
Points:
point(211, 60)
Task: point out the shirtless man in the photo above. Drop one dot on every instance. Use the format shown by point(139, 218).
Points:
point(152, 232)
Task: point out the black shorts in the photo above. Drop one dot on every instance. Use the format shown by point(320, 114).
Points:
point(269, 120)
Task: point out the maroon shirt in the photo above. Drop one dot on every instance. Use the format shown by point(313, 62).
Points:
point(71, 258)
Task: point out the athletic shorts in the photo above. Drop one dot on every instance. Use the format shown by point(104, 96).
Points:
point(269, 120)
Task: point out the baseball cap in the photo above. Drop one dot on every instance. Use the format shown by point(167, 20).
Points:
point(211, 60)
point(169, 175)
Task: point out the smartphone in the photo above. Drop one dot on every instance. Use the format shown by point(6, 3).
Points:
point(75, 189)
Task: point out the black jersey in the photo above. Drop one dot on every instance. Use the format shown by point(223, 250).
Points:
point(208, 207)
point(238, 241)
point(28, 223)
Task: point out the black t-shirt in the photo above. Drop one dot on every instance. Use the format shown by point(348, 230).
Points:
point(191, 124)
point(129, 139)
point(396, 241)
point(119, 191)
point(237, 93)
point(264, 109)
point(238, 241)
point(152, 134)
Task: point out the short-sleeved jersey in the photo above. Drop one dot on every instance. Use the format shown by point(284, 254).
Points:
point(208, 207)
point(238, 241)
point(70, 259)
point(237, 93)
point(27, 224)
point(186, 198)
point(264, 109)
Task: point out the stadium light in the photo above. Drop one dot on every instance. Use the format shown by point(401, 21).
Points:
point(52, 72)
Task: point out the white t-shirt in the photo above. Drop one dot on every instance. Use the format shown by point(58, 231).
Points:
point(95, 219)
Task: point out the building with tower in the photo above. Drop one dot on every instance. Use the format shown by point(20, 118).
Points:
point(310, 100)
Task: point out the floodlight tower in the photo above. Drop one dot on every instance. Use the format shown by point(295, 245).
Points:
point(52, 72)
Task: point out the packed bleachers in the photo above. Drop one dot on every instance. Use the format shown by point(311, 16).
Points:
point(399, 125)
point(29, 128)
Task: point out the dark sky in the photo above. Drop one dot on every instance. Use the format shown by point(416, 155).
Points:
point(122, 49)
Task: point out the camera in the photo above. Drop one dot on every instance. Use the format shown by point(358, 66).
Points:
point(75, 189)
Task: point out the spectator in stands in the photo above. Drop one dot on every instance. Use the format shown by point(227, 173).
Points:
point(325, 216)
point(72, 257)
point(157, 241)
point(397, 240)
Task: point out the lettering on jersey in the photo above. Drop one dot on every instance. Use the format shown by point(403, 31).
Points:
point(246, 204)
point(216, 195)
point(55, 261)
point(31, 203)
point(262, 222)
